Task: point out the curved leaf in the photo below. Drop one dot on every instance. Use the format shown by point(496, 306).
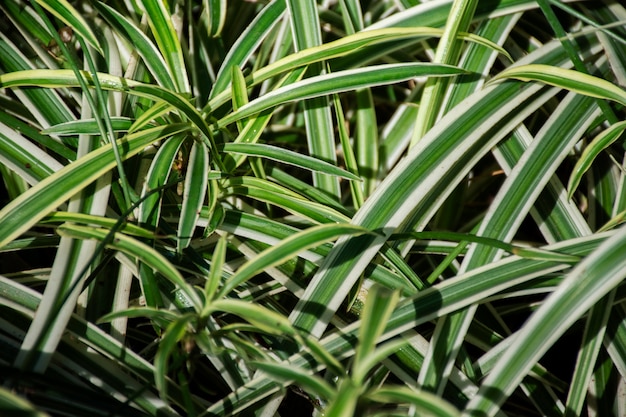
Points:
point(575, 81)
point(288, 157)
point(328, 84)
point(597, 145)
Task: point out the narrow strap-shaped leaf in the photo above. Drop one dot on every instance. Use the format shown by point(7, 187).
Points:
point(424, 401)
point(240, 92)
point(145, 48)
point(575, 81)
point(195, 190)
point(597, 145)
point(341, 47)
point(90, 219)
point(366, 139)
point(341, 81)
point(216, 11)
point(67, 78)
point(304, 379)
point(158, 174)
point(162, 26)
point(448, 52)
point(593, 336)
point(167, 347)
point(320, 138)
point(246, 44)
point(418, 178)
point(379, 305)
point(443, 298)
point(215, 273)
point(22, 156)
point(35, 135)
point(288, 157)
point(87, 127)
point(266, 320)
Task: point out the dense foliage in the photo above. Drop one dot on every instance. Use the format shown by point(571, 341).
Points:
point(291, 207)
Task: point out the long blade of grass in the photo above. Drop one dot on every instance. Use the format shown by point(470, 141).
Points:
point(66, 78)
point(399, 195)
point(379, 305)
point(593, 336)
point(342, 47)
point(597, 145)
point(137, 250)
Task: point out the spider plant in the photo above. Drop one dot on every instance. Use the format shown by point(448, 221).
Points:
point(331, 208)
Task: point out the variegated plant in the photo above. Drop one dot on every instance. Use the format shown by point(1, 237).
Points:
point(340, 207)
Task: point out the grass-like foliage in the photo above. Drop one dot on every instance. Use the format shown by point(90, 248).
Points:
point(300, 207)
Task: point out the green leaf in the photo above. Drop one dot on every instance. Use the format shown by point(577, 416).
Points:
point(162, 27)
point(262, 318)
point(157, 175)
point(425, 402)
point(89, 219)
point(87, 127)
point(344, 403)
point(216, 12)
point(240, 93)
point(448, 52)
point(379, 305)
point(288, 157)
point(593, 278)
point(575, 81)
point(374, 358)
point(602, 141)
point(324, 85)
point(160, 316)
point(194, 193)
point(245, 45)
point(341, 47)
point(288, 374)
point(15, 405)
point(145, 48)
point(174, 333)
point(67, 78)
point(215, 273)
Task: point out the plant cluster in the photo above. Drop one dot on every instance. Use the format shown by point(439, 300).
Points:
point(300, 207)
